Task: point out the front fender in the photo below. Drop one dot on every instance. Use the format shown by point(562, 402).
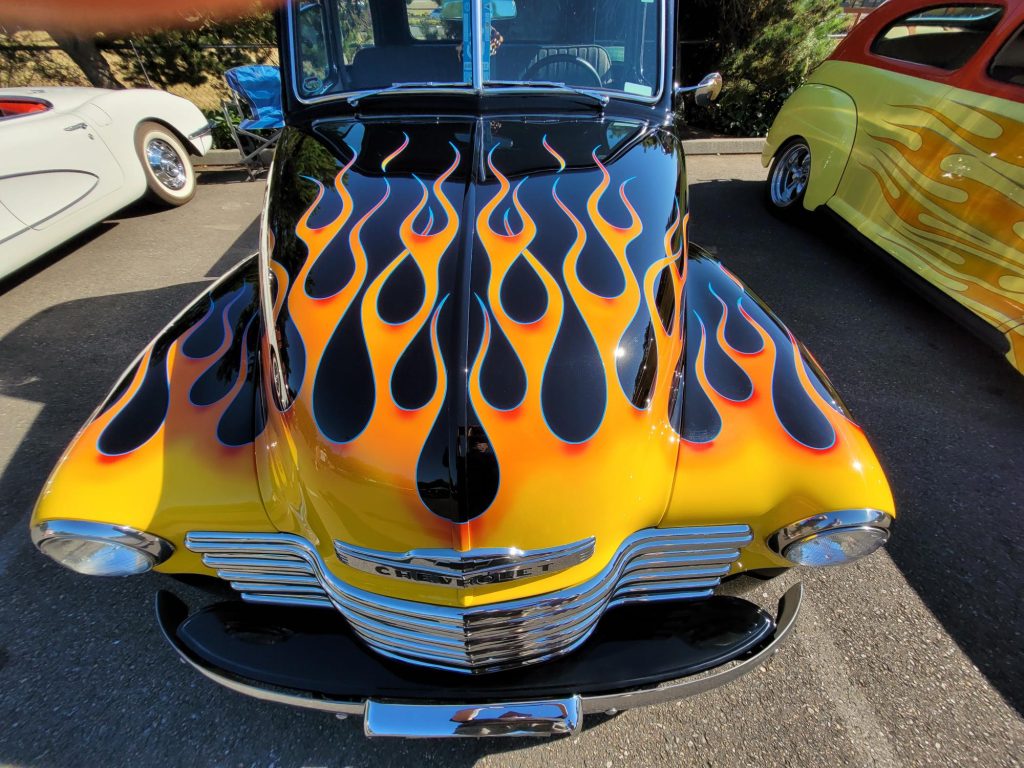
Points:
point(764, 437)
point(827, 119)
point(171, 448)
point(130, 107)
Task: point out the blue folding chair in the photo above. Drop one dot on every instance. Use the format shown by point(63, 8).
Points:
point(256, 104)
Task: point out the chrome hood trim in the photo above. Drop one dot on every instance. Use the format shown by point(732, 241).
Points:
point(457, 570)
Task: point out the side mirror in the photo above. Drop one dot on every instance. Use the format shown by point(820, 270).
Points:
point(705, 92)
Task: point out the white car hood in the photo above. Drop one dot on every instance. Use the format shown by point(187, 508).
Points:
point(63, 99)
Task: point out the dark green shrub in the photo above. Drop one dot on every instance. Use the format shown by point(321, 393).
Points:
point(222, 138)
point(764, 50)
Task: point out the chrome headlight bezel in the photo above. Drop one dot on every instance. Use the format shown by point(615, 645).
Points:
point(151, 550)
point(829, 524)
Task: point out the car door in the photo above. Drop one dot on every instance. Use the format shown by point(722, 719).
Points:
point(54, 165)
point(10, 225)
point(991, 165)
point(921, 182)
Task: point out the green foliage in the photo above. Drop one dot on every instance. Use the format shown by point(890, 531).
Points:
point(764, 49)
point(203, 51)
point(222, 138)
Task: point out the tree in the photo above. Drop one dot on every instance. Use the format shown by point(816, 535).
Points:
point(765, 49)
point(202, 48)
point(86, 54)
point(205, 49)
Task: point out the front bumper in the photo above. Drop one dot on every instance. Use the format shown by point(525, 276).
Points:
point(640, 656)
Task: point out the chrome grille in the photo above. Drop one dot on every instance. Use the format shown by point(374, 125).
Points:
point(654, 564)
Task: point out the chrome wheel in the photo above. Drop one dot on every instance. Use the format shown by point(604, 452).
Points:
point(790, 175)
point(167, 166)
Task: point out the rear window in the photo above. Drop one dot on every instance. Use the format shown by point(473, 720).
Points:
point(944, 37)
point(1008, 64)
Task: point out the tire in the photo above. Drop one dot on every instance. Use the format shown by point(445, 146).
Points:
point(170, 178)
point(788, 177)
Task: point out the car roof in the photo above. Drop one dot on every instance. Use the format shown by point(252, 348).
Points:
point(973, 76)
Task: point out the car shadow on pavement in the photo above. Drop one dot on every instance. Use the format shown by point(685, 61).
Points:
point(944, 412)
point(232, 174)
point(243, 246)
point(16, 278)
point(66, 358)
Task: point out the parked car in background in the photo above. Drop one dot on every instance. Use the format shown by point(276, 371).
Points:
point(913, 133)
point(478, 433)
point(70, 157)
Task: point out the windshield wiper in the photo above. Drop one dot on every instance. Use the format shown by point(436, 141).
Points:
point(598, 99)
point(354, 98)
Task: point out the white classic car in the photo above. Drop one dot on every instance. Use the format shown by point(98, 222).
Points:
point(70, 157)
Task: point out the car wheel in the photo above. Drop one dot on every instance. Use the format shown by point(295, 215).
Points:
point(788, 177)
point(165, 161)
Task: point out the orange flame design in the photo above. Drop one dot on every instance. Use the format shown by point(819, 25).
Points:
point(954, 205)
point(526, 448)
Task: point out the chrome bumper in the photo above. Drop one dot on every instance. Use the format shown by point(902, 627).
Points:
point(549, 717)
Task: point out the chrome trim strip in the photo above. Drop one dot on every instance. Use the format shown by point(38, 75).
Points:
point(559, 717)
point(828, 521)
point(206, 130)
point(124, 535)
point(788, 611)
point(455, 570)
point(653, 564)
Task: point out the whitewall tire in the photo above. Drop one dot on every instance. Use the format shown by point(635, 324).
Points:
point(165, 162)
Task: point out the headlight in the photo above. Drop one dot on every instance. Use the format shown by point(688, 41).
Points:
point(832, 538)
point(98, 549)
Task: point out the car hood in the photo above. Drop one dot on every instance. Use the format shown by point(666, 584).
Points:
point(477, 339)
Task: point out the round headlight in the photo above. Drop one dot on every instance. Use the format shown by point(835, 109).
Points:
point(97, 558)
point(98, 549)
point(837, 547)
point(832, 538)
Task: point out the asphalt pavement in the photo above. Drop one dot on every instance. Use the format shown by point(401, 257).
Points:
point(914, 656)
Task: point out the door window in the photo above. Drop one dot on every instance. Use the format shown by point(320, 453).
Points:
point(944, 37)
point(312, 45)
point(1008, 64)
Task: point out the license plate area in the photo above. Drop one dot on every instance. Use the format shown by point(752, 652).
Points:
point(555, 717)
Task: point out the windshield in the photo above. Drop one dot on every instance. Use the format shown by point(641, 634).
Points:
point(354, 46)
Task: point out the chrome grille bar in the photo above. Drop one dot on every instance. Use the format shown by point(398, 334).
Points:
point(651, 565)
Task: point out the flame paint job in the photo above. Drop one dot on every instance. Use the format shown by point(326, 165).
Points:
point(524, 384)
point(482, 334)
point(935, 173)
point(763, 429)
point(173, 442)
point(520, 371)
